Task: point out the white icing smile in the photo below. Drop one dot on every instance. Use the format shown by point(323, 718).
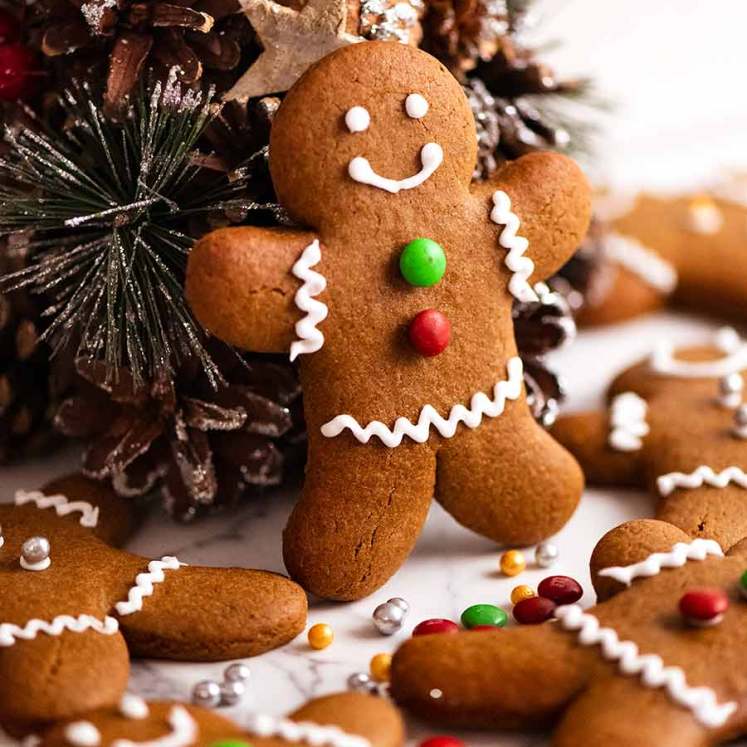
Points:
point(431, 157)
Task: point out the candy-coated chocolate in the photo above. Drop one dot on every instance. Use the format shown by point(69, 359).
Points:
point(442, 741)
point(380, 666)
point(534, 610)
point(422, 263)
point(704, 606)
point(484, 614)
point(513, 562)
point(320, 636)
point(231, 743)
point(435, 625)
point(522, 591)
point(560, 589)
point(430, 332)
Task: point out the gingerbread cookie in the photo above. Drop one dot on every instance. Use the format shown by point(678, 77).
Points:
point(675, 425)
point(658, 662)
point(397, 306)
point(340, 720)
point(71, 605)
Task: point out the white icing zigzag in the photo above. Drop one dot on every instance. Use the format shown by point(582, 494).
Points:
point(480, 405)
point(628, 422)
point(681, 552)
point(144, 584)
point(184, 732)
point(89, 514)
point(702, 475)
point(701, 701)
point(735, 359)
point(521, 266)
point(265, 726)
point(311, 338)
point(641, 261)
point(10, 633)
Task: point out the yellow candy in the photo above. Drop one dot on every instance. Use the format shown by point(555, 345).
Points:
point(380, 666)
point(513, 562)
point(522, 592)
point(320, 636)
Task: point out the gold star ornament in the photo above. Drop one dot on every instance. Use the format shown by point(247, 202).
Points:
point(292, 40)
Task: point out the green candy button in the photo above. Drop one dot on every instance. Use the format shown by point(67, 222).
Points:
point(422, 263)
point(230, 743)
point(484, 614)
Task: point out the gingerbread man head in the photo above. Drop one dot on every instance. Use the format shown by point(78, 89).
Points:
point(676, 425)
point(397, 305)
point(657, 663)
point(73, 608)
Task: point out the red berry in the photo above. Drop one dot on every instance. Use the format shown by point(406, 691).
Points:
point(429, 332)
point(442, 741)
point(435, 625)
point(17, 68)
point(534, 610)
point(704, 606)
point(10, 29)
point(561, 589)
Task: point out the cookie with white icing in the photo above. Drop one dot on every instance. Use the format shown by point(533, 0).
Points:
point(396, 304)
point(673, 426)
point(634, 669)
point(340, 720)
point(73, 609)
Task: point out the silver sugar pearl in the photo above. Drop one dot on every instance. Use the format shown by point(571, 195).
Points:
point(35, 550)
point(231, 693)
point(403, 604)
point(206, 694)
point(731, 384)
point(238, 672)
point(388, 618)
point(546, 555)
point(361, 682)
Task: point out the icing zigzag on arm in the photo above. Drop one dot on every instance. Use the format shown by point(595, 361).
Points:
point(10, 633)
point(703, 475)
point(311, 338)
point(89, 515)
point(144, 584)
point(628, 422)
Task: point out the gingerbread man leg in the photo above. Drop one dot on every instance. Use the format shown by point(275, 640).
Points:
point(360, 514)
point(491, 501)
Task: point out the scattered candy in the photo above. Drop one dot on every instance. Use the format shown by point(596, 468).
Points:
point(522, 592)
point(442, 741)
point(231, 743)
point(206, 694)
point(238, 672)
point(560, 589)
point(35, 554)
point(484, 614)
point(380, 666)
point(231, 692)
point(361, 682)
point(743, 584)
point(513, 562)
point(422, 263)
point(546, 555)
point(320, 636)
point(703, 607)
point(430, 332)
point(435, 625)
point(389, 616)
point(534, 610)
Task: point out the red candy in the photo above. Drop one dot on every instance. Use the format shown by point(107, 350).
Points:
point(534, 610)
point(17, 72)
point(704, 606)
point(430, 332)
point(560, 589)
point(435, 625)
point(442, 741)
point(10, 29)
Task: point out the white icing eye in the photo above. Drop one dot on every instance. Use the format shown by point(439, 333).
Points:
point(357, 119)
point(416, 106)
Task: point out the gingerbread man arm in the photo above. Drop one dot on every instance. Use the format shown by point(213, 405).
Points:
point(241, 288)
point(552, 199)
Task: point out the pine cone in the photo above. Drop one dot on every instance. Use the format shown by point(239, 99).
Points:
point(203, 447)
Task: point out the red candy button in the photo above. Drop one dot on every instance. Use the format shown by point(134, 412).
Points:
point(560, 589)
point(429, 332)
point(534, 610)
point(435, 625)
point(442, 741)
point(704, 606)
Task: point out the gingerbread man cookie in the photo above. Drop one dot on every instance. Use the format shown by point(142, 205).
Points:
point(71, 605)
point(658, 662)
point(397, 306)
point(340, 720)
point(675, 424)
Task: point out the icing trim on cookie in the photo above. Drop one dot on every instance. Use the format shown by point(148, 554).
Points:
point(700, 476)
point(61, 504)
point(628, 422)
point(357, 119)
point(521, 266)
point(184, 732)
point(262, 725)
point(631, 254)
point(431, 157)
point(681, 552)
point(701, 701)
point(133, 707)
point(310, 337)
point(82, 734)
point(480, 405)
point(144, 584)
point(10, 633)
point(662, 360)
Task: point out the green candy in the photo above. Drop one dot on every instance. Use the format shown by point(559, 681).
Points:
point(422, 263)
point(230, 743)
point(743, 583)
point(484, 614)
